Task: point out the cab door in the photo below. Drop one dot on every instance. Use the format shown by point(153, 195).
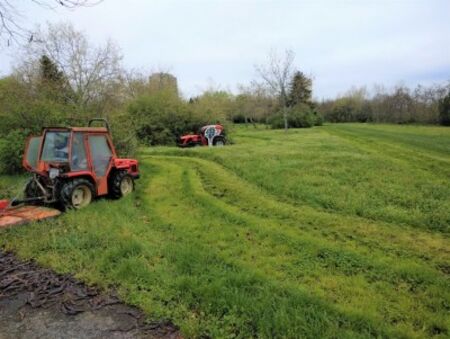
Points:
point(101, 156)
point(30, 158)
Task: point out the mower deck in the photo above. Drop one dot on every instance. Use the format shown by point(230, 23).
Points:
point(13, 216)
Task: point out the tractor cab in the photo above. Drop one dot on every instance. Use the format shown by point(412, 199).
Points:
point(72, 165)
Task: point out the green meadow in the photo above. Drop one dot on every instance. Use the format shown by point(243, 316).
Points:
point(333, 231)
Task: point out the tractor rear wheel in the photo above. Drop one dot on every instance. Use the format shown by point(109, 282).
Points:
point(121, 184)
point(76, 194)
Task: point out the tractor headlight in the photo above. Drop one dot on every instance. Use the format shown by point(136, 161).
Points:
point(53, 173)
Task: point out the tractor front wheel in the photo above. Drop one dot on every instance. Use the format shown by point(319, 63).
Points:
point(76, 194)
point(121, 184)
point(219, 142)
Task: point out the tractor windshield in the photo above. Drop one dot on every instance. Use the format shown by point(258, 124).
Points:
point(56, 146)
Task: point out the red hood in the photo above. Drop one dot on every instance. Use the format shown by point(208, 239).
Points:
point(188, 136)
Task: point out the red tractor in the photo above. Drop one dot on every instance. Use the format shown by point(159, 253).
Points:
point(210, 135)
point(71, 166)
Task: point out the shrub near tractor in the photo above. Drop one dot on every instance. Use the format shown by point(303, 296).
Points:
point(71, 166)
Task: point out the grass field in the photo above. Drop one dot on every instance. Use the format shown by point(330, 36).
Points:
point(334, 231)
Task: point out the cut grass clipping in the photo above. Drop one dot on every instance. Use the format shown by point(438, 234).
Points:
point(335, 231)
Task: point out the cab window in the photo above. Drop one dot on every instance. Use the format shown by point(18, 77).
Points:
point(100, 154)
point(56, 147)
point(79, 160)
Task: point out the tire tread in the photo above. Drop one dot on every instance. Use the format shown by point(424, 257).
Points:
point(67, 188)
point(114, 184)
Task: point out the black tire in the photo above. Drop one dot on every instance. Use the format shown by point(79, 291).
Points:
point(117, 183)
point(219, 141)
point(71, 190)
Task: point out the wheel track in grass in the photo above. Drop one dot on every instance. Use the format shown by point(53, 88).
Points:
point(421, 206)
point(267, 290)
point(241, 216)
point(298, 238)
point(225, 184)
point(236, 217)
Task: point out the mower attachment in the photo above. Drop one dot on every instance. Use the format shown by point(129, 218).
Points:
point(18, 215)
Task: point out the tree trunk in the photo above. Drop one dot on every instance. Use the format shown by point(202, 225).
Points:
point(284, 105)
point(285, 117)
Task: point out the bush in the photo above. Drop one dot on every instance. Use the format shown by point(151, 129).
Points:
point(299, 116)
point(151, 114)
point(319, 119)
point(349, 110)
point(276, 120)
point(123, 134)
point(159, 119)
point(11, 151)
point(238, 118)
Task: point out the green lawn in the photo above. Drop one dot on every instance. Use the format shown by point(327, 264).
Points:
point(334, 231)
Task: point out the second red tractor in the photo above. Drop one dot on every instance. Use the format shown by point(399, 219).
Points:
point(212, 135)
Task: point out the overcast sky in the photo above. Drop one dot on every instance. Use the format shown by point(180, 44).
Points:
point(341, 42)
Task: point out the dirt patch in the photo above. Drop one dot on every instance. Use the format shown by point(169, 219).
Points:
point(38, 303)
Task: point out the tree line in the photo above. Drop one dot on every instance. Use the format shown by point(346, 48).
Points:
point(61, 78)
point(400, 105)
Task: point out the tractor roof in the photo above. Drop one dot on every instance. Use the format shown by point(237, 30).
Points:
point(78, 129)
point(90, 129)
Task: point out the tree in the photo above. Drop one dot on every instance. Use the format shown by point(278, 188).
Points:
point(276, 75)
point(94, 73)
point(52, 82)
point(213, 105)
point(13, 30)
point(300, 90)
point(444, 110)
point(253, 104)
point(49, 70)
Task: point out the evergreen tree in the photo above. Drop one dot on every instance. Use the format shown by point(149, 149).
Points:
point(49, 71)
point(444, 110)
point(53, 83)
point(300, 90)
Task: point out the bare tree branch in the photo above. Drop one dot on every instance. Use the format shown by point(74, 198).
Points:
point(276, 76)
point(12, 30)
point(91, 71)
